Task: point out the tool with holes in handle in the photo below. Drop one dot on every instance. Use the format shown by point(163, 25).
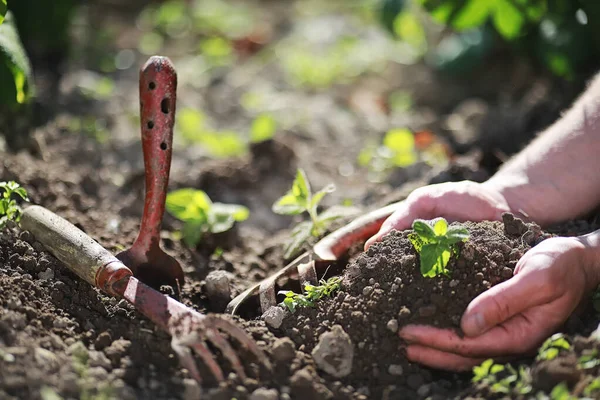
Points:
point(189, 329)
point(307, 267)
point(158, 96)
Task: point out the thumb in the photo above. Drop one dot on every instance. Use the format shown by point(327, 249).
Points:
point(505, 300)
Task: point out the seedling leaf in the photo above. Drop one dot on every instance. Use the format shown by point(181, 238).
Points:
point(9, 209)
point(263, 128)
point(299, 235)
point(3, 9)
point(424, 230)
point(552, 347)
point(440, 226)
point(201, 215)
point(317, 197)
point(15, 69)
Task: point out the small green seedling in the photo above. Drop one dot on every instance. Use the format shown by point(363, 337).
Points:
point(201, 215)
point(503, 378)
point(301, 199)
point(436, 243)
point(313, 294)
point(9, 209)
point(589, 359)
point(553, 346)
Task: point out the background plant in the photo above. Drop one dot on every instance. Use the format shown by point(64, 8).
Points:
point(200, 215)
point(300, 199)
point(436, 243)
point(313, 294)
point(9, 209)
point(562, 35)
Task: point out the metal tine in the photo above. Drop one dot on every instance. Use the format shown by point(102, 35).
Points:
point(307, 274)
point(268, 297)
point(216, 339)
point(241, 336)
point(182, 348)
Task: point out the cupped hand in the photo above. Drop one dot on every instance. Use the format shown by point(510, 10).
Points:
point(455, 201)
point(513, 317)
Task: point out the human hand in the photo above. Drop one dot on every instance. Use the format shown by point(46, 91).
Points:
point(513, 317)
point(455, 201)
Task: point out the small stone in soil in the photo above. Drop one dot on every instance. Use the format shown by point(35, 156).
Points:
point(264, 394)
point(283, 350)
point(274, 316)
point(334, 352)
point(395, 370)
point(392, 325)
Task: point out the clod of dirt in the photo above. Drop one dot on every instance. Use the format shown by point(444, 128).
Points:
point(334, 352)
point(264, 394)
point(274, 316)
point(218, 289)
point(283, 350)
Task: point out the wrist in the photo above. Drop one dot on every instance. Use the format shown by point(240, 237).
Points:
point(591, 243)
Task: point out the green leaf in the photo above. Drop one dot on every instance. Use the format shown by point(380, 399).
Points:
point(592, 388)
point(390, 9)
point(15, 70)
point(299, 235)
point(482, 371)
point(192, 233)
point(399, 140)
point(301, 188)
point(237, 212)
point(424, 230)
point(222, 217)
point(263, 128)
point(21, 192)
point(473, 14)
point(508, 19)
point(3, 9)
point(188, 204)
point(317, 197)
point(288, 205)
point(190, 123)
point(458, 233)
point(416, 241)
point(408, 28)
point(561, 392)
point(440, 226)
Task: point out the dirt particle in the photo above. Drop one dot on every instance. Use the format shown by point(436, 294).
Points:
point(273, 317)
point(334, 352)
point(283, 350)
point(103, 340)
point(395, 370)
point(392, 325)
point(404, 313)
point(191, 390)
point(427, 311)
point(507, 273)
point(367, 290)
point(264, 394)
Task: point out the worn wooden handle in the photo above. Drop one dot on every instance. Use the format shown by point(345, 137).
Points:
point(69, 244)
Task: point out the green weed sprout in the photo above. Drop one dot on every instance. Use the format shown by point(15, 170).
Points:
point(300, 199)
point(313, 294)
point(9, 209)
point(201, 215)
point(552, 347)
point(436, 243)
point(503, 378)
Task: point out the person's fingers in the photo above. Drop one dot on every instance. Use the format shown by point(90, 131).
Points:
point(441, 360)
point(507, 299)
point(415, 206)
point(516, 336)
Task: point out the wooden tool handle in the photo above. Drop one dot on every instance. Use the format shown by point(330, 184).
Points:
point(69, 244)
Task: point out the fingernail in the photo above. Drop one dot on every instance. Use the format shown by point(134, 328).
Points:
point(474, 324)
point(406, 335)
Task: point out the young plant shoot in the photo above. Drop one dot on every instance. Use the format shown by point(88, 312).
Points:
point(9, 209)
point(201, 215)
point(301, 199)
point(436, 243)
point(313, 294)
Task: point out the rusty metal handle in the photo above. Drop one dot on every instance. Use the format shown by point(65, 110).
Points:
point(79, 252)
point(158, 96)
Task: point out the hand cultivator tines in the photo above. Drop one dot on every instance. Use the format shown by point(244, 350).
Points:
point(188, 328)
point(147, 261)
point(308, 266)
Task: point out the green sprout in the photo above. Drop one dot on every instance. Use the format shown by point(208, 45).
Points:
point(263, 128)
point(436, 243)
point(503, 378)
point(201, 215)
point(9, 209)
point(313, 294)
point(300, 199)
point(553, 346)
point(589, 359)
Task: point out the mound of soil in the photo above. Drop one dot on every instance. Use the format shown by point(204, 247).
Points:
point(383, 290)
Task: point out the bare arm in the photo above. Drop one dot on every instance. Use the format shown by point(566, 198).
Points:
point(557, 177)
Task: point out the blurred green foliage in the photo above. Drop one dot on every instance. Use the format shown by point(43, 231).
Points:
point(44, 24)
point(15, 70)
point(562, 35)
point(3, 9)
